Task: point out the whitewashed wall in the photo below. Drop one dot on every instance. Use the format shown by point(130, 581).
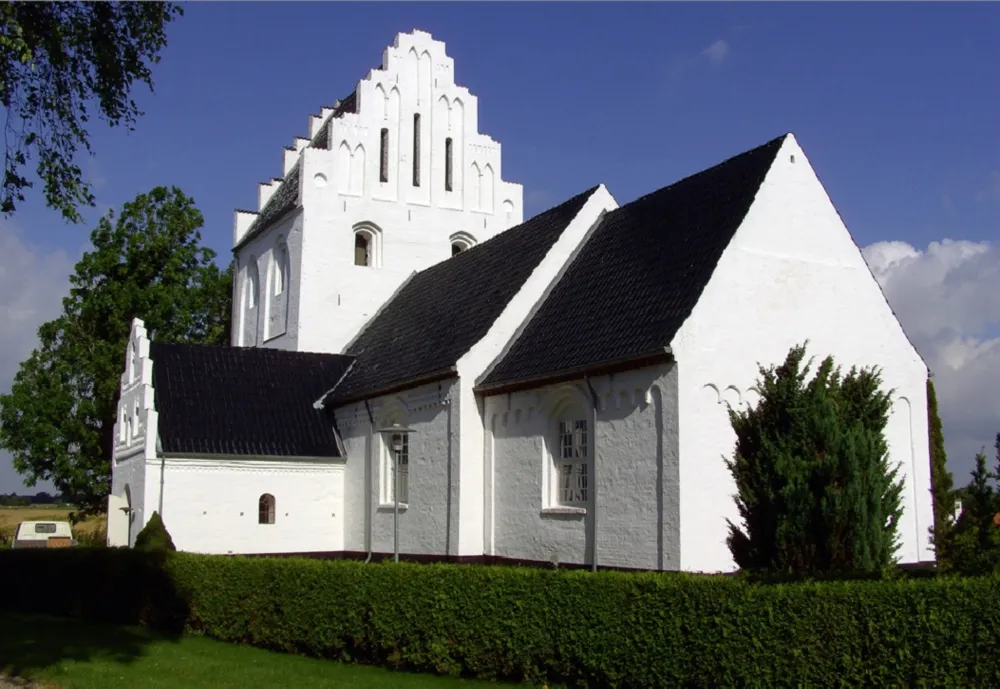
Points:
point(135, 436)
point(429, 522)
point(211, 505)
point(274, 321)
point(792, 273)
point(635, 479)
point(474, 364)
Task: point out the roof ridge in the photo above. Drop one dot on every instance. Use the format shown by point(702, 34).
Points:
point(707, 171)
point(257, 351)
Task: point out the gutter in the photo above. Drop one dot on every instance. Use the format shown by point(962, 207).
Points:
point(657, 356)
point(440, 374)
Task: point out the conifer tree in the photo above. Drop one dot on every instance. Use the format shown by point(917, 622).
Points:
point(973, 544)
point(815, 489)
point(154, 536)
point(942, 482)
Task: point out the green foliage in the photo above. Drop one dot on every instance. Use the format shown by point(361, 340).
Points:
point(973, 544)
point(942, 483)
point(154, 536)
point(608, 629)
point(815, 489)
point(58, 419)
point(57, 60)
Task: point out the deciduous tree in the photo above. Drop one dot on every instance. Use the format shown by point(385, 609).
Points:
point(815, 489)
point(59, 63)
point(148, 262)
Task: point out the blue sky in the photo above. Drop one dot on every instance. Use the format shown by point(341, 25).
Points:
point(895, 104)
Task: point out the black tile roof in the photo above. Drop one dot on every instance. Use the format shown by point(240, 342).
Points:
point(281, 201)
point(287, 195)
point(639, 275)
point(441, 312)
point(322, 138)
point(244, 401)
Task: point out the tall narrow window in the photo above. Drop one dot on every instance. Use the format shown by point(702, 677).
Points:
point(572, 465)
point(383, 165)
point(402, 441)
point(265, 509)
point(416, 149)
point(447, 164)
point(362, 249)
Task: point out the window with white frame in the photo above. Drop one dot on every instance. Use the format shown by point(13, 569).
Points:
point(571, 464)
point(396, 455)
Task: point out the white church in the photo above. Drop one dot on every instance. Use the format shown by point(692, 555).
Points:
point(558, 386)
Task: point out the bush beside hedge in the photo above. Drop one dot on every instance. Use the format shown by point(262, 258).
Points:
point(606, 629)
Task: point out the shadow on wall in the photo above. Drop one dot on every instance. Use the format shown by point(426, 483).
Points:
point(115, 587)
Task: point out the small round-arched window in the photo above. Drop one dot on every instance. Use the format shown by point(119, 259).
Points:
point(265, 509)
point(362, 249)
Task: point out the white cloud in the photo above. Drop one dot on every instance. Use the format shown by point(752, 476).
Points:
point(947, 297)
point(717, 52)
point(32, 285)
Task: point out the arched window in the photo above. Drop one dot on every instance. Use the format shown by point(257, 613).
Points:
point(367, 245)
point(280, 268)
point(265, 509)
point(572, 454)
point(362, 249)
point(460, 241)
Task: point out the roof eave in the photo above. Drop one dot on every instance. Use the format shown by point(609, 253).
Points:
point(440, 374)
point(658, 356)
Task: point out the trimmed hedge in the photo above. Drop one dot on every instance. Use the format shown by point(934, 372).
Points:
point(608, 629)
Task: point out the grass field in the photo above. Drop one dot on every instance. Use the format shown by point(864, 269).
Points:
point(10, 517)
point(71, 655)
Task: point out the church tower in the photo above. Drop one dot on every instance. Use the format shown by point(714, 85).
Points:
point(391, 180)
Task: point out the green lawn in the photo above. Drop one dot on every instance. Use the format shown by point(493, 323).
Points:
point(66, 653)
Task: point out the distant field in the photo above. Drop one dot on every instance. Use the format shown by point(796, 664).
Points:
point(10, 517)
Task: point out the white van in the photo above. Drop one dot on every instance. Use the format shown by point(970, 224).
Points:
point(43, 535)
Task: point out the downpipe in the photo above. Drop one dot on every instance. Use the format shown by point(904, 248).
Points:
point(593, 472)
point(368, 481)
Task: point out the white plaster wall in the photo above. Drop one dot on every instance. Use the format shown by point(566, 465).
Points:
point(341, 189)
point(427, 524)
point(476, 362)
point(211, 505)
point(635, 478)
point(792, 273)
point(274, 323)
